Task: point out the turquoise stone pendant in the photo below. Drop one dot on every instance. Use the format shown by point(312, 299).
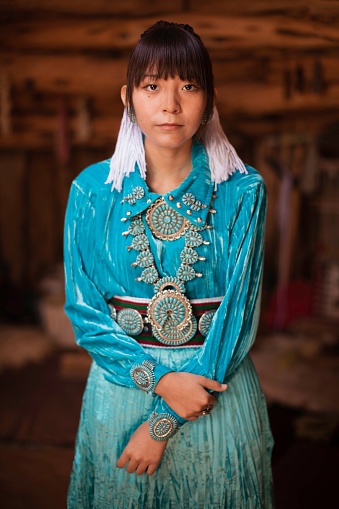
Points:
point(164, 222)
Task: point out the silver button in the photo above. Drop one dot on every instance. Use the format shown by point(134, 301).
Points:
point(179, 205)
point(171, 197)
point(199, 219)
point(128, 213)
point(189, 212)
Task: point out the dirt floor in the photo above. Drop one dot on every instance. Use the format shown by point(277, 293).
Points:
point(40, 405)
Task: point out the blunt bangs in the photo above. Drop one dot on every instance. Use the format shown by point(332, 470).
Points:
point(168, 50)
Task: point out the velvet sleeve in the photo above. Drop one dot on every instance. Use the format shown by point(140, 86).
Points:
point(95, 330)
point(234, 326)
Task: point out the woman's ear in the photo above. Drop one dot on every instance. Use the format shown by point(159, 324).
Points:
point(215, 96)
point(123, 94)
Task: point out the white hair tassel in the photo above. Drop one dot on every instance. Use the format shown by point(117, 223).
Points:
point(222, 156)
point(129, 150)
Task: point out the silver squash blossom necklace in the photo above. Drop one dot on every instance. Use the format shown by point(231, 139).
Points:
point(169, 311)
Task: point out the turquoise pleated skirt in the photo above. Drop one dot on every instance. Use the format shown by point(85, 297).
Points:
point(219, 461)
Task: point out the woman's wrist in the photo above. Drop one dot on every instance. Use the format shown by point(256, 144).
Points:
point(147, 375)
point(162, 384)
point(162, 426)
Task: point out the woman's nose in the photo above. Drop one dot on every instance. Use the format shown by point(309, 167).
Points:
point(171, 103)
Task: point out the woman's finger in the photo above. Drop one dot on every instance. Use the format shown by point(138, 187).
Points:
point(192, 417)
point(152, 468)
point(204, 411)
point(141, 469)
point(122, 460)
point(132, 466)
point(211, 399)
point(213, 384)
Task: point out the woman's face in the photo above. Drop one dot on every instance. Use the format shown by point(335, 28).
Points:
point(168, 112)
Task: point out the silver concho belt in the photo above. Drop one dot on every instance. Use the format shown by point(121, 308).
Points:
point(131, 314)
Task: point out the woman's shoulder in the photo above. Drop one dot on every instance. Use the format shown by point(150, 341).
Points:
point(251, 177)
point(240, 183)
point(241, 190)
point(91, 180)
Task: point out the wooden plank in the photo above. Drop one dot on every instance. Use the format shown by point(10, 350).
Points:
point(144, 7)
point(324, 9)
point(219, 33)
point(61, 74)
point(258, 99)
point(87, 7)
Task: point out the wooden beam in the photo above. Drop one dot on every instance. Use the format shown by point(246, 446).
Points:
point(323, 9)
point(258, 100)
point(305, 8)
point(65, 74)
point(88, 7)
point(219, 32)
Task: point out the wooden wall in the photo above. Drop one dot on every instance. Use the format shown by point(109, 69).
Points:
point(275, 59)
point(62, 65)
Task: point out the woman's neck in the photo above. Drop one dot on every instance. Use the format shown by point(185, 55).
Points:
point(167, 167)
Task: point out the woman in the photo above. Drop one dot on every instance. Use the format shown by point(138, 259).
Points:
point(163, 256)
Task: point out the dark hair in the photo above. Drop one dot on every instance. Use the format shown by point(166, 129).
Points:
point(171, 49)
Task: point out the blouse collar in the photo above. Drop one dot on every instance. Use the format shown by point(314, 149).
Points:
point(191, 199)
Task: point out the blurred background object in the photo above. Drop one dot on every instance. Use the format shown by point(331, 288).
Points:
point(62, 65)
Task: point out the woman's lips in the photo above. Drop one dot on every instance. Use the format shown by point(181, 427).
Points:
point(170, 127)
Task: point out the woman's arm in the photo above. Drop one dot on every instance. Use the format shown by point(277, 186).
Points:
point(112, 349)
point(235, 324)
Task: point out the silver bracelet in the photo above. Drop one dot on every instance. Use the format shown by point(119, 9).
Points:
point(143, 376)
point(162, 426)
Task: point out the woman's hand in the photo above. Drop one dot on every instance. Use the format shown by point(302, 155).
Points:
point(142, 453)
point(186, 393)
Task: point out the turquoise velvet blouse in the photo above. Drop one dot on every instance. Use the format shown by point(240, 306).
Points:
point(98, 267)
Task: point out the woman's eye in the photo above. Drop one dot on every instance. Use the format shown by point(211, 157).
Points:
point(190, 87)
point(151, 87)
